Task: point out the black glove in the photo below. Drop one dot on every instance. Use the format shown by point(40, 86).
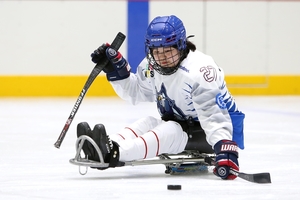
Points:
point(99, 54)
point(118, 68)
point(226, 159)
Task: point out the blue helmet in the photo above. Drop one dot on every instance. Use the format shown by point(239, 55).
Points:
point(165, 31)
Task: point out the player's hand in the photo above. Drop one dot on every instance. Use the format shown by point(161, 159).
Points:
point(99, 54)
point(119, 68)
point(226, 159)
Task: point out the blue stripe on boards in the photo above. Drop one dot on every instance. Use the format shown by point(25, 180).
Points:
point(138, 12)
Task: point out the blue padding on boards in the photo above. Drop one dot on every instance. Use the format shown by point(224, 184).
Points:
point(138, 12)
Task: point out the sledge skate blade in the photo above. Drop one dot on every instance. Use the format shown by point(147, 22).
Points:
point(85, 162)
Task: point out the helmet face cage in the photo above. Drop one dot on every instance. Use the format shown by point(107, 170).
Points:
point(169, 67)
point(166, 32)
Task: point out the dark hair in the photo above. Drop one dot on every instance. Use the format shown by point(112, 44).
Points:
point(191, 46)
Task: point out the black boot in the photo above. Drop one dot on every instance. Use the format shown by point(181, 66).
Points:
point(83, 128)
point(109, 149)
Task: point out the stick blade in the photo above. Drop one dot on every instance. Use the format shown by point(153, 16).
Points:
point(256, 178)
point(262, 178)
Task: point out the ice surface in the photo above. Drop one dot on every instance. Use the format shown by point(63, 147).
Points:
point(32, 168)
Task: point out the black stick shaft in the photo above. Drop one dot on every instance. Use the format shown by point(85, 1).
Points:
point(116, 44)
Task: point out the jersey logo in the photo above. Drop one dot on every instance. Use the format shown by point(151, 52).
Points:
point(220, 101)
point(167, 106)
point(149, 73)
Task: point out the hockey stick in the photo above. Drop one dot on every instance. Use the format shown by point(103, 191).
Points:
point(255, 178)
point(116, 44)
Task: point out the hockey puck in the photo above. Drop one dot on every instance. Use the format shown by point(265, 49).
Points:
point(174, 187)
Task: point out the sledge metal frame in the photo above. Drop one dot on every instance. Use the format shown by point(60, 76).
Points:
point(169, 160)
point(192, 157)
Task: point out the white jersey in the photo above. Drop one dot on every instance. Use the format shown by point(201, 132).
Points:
point(196, 90)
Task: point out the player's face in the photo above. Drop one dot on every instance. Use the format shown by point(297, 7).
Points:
point(166, 56)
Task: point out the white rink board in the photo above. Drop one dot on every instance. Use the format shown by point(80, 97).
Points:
point(57, 37)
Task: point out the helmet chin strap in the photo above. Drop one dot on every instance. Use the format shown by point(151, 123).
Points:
point(169, 70)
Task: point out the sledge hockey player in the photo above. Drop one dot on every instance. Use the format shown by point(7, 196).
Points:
point(197, 111)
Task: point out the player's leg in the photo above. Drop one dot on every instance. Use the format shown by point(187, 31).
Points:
point(136, 129)
point(167, 137)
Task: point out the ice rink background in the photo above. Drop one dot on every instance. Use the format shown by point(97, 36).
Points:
point(32, 168)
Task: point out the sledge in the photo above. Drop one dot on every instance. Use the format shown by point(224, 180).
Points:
point(197, 156)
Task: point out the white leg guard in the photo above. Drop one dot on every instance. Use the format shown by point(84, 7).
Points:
point(167, 137)
point(136, 129)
